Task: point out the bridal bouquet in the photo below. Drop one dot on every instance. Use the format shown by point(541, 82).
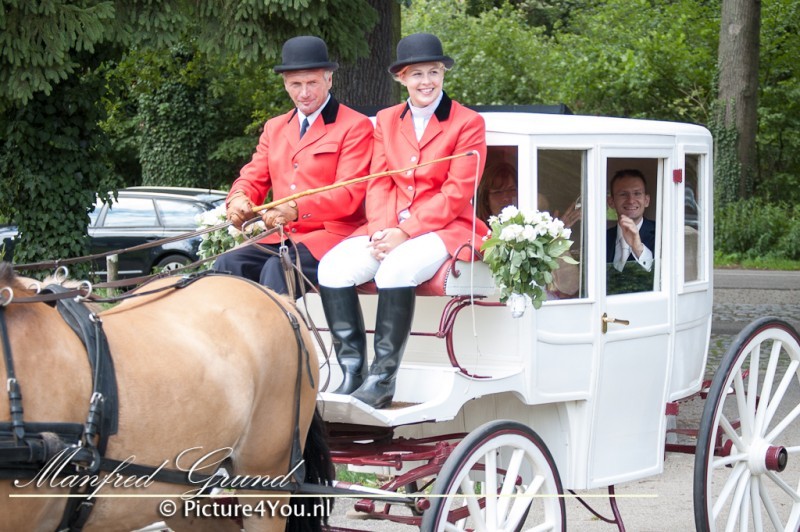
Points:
point(222, 240)
point(521, 250)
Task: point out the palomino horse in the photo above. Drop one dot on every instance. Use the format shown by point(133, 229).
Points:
point(204, 372)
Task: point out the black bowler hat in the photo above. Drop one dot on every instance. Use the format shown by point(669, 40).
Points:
point(419, 48)
point(305, 53)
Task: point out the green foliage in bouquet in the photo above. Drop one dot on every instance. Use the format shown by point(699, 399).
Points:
point(522, 249)
point(221, 240)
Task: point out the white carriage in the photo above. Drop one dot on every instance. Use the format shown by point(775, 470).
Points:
point(491, 410)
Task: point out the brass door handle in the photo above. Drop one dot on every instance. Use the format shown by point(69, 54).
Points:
point(606, 320)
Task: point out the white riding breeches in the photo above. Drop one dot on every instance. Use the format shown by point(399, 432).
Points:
point(411, 263)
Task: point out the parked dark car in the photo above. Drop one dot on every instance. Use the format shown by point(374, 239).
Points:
point(146, 214)
point(7, 234)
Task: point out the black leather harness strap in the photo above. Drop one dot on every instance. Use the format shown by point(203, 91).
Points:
point(43, 441)
point(12, 386)
point(103, 418)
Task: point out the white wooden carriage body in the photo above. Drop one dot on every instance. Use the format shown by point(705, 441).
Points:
point(596, 395)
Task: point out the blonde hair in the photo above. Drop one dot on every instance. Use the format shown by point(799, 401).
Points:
point(402, 72)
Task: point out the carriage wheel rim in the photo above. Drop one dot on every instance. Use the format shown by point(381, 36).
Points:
point(502, 512)
point(751, 470)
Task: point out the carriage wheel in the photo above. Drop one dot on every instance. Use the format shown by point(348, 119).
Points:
point(747, 472)
point(510, 476)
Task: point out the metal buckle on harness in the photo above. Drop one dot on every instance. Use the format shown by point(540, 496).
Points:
point(36, 286)
point(77, 454)
point(60, 275)
point(88, 287)
point(283, 248)
point(89, 432)
point(6, 300)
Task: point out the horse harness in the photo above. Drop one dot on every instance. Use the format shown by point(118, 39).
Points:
point(27, 447)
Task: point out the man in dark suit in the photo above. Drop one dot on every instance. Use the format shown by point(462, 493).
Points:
point(633, 239)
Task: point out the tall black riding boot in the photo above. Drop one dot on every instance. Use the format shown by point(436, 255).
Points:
point(392, 327)
point(343, 313)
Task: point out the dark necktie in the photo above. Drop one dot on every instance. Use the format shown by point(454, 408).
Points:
point(303, 127)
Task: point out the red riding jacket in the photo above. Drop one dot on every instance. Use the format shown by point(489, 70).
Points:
point(336, 147)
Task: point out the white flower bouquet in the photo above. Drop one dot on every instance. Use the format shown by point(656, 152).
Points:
point(222, 240)
point(522, 249)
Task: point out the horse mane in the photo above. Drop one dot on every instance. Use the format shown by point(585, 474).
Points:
point(8, 278)
point(22, 286)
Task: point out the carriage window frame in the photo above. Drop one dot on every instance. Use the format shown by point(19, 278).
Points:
point(699, 181)
point(653, 166)
point(561, 200)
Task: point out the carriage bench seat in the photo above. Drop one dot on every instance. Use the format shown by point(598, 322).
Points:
point(454, 278)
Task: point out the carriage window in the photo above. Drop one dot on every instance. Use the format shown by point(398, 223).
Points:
point(631, 254)
point(692, 216)
point(560, 185)
point(131, 212)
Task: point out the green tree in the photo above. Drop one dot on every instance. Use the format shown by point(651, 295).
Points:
point(638, 58)
point(55, 155)
point(499, 58)
point(737, 106)
point(549, 14)
point(53, 160)
point(778, 142)
point(365, 81)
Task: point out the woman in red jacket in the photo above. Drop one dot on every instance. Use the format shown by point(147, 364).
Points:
point(415, 220)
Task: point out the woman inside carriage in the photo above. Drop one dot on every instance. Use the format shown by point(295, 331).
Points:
point(498, 189)
point(416, 220)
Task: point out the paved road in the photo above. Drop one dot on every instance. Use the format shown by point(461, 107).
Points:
point(740, 296)
point(663, 503)
point(757, 279)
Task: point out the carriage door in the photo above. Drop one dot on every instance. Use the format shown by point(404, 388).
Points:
point(633, 327)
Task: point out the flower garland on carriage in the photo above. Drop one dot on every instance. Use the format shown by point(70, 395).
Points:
point(522, 249)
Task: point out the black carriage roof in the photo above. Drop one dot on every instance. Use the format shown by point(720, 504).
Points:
point(558, 109)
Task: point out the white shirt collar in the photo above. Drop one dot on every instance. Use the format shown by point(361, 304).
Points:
point(422, 115)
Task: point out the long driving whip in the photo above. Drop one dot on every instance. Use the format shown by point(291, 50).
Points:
point(357, 180)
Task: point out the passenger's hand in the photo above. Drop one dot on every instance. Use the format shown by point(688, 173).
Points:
point(280, 214)
point(239, 209)
point(570, 216)
point(383, 242)
point(631, 234)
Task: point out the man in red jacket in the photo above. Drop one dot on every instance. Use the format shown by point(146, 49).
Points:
point(320, 142)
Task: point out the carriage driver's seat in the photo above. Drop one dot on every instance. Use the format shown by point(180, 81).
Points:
point(454, 278)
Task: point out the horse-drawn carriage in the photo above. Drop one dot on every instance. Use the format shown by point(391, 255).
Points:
point(495, 417)
point(501, 415)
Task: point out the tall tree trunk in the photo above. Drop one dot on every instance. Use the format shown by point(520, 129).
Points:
point(738, 88)
point(366, 82)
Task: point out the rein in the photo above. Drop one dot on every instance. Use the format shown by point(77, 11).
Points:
point(54, 264)
point(47, 264)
